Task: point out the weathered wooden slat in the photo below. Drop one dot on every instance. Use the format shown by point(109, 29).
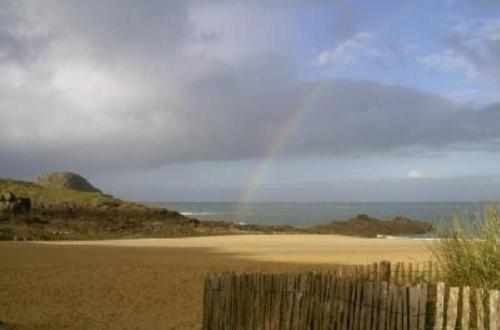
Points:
point(332, 307)
point(319, 304)
point(452, 309)
point(439, 316)
point(346, 303)
point(384, 271)
point(352, 304)
point(394, 307)
point(341, 300)
point(363, 310)
point(402, 278)
point(400, 308)
point(206, 304)
point(479, 301)
point(296, 304)
point(375, 303)
point(287, 308)
point(390, 302)
point(304, 302)
point(370, 302)
point(357, 303)
point(383, 303)
point(410, 273)
point(349, 297)
point(494, 303)
point(219, 300)
point(465, 320)
point(422, 306)
point(406, 308)
point(396, 273)
point(413, 306)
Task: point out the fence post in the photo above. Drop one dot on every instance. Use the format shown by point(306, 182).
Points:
point(479, 309)
point(439, 319)
point(494, 309)
point(466, 308)
point(452, 310)
point(316, 300)
point(422, 305)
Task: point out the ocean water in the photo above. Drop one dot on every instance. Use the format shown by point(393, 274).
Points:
point(304, 215)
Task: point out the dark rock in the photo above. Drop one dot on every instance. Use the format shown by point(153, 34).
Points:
point(103, 208)
point(36, 221)
point(7, 234)
point(5, 326)
point(7, 197)
point(9, 203)
point(365, 226)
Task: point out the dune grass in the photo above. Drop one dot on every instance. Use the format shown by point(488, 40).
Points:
point(469, 254)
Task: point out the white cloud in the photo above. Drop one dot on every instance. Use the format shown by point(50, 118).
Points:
point(491, 30)
point(416, 174)
point(345, 52)
point(362, 45)
point(474, 98)
point(473, 48)
point(448, 61)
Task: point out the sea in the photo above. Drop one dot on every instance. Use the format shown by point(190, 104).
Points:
point(303, 215)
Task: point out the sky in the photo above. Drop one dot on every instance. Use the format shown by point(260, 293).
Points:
point(256, 100)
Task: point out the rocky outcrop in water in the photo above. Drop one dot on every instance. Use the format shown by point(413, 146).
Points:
point(9, 203)
point(365, 226)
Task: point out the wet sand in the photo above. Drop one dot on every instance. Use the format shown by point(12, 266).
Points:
point(153, 284)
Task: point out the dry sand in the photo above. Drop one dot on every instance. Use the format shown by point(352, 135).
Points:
point(291, 248)
point(156, 283)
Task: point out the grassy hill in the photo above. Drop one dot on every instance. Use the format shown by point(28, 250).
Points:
point(51, 196)
point(59, 213)
point(63, 199)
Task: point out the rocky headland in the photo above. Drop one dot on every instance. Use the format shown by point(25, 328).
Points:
point(66, 206)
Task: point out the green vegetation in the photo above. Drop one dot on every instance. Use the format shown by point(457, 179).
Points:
point(470, 255)
point(50, 196)
point(60, 214)
point(65, 180)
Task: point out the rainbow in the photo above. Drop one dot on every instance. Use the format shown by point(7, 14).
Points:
point(305, 106)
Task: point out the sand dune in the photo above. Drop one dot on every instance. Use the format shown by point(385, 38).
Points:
point(289, 248)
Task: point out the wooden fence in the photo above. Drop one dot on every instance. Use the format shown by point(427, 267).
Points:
point(327, 301)
point(398, 273)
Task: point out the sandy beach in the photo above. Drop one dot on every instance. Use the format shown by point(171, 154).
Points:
point(157, 283)
point(289, 248)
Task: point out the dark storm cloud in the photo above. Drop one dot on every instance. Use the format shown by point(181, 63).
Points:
point(105, 85)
